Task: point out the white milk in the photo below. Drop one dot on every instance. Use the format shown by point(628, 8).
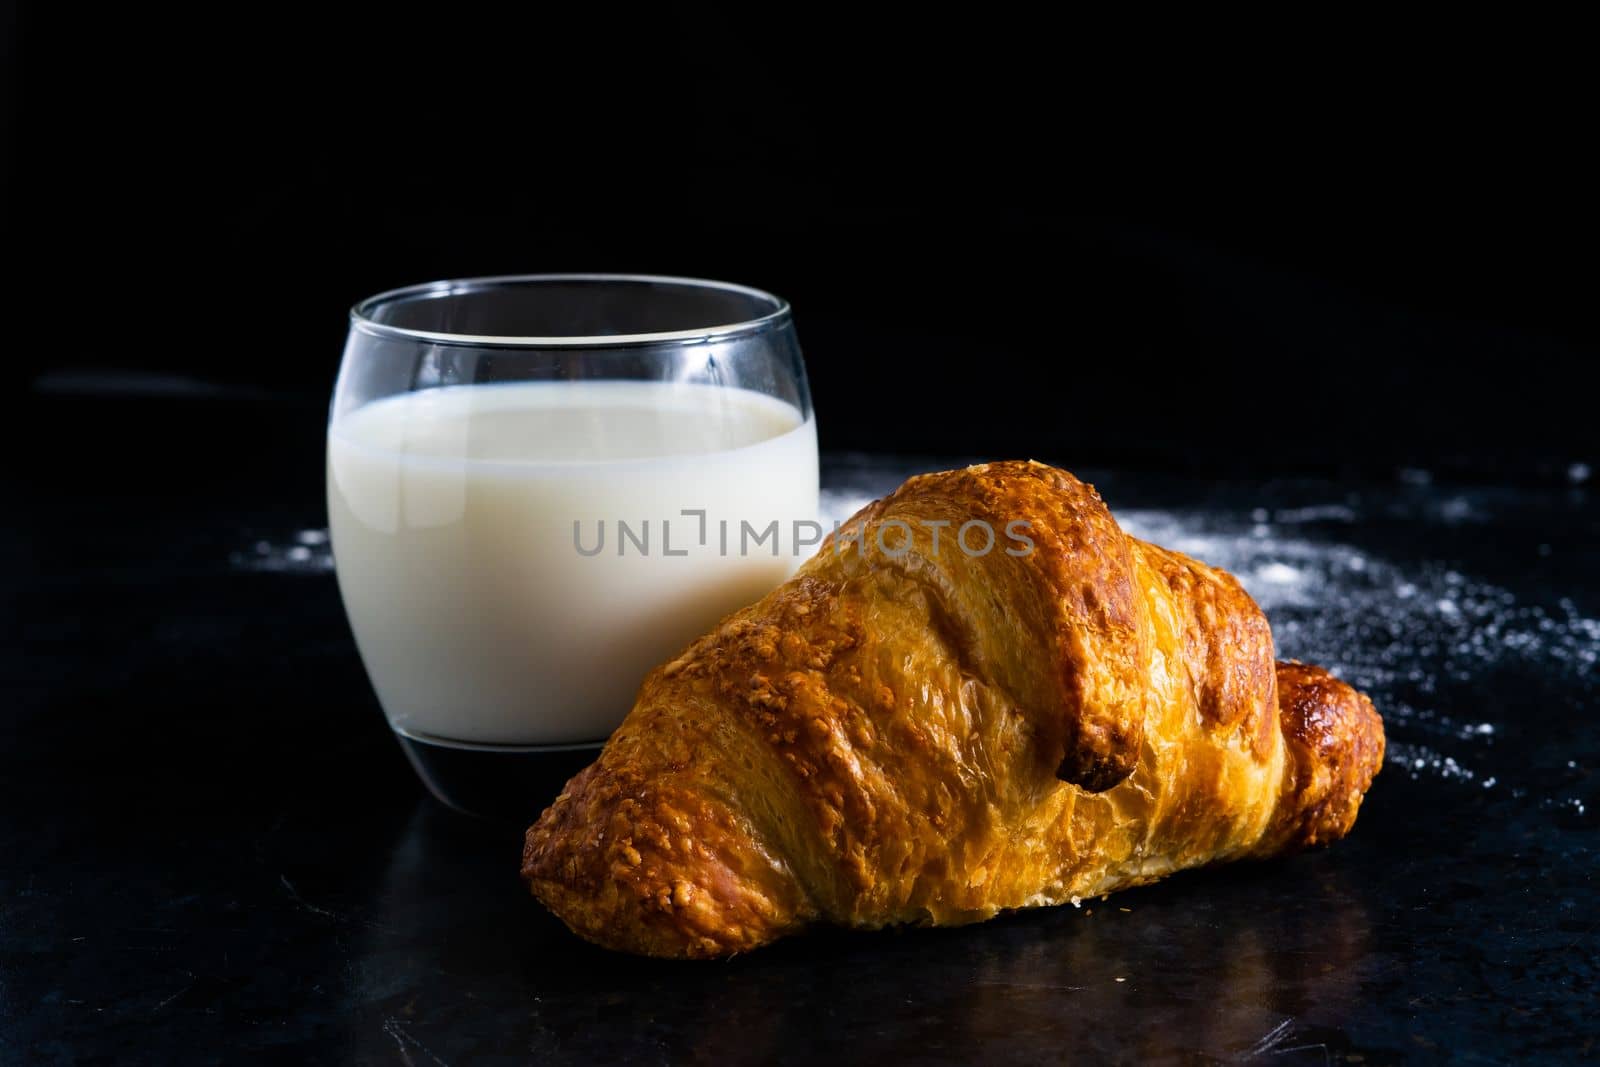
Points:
point(452, 515)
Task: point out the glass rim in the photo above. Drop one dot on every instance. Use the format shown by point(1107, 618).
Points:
point(361, 313)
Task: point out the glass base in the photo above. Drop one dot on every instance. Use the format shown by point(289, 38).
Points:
point(504, 783)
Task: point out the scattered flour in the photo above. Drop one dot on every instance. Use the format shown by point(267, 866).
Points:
point(303, 552)
point(1414, 637)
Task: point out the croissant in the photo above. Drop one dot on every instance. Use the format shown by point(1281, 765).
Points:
point(913, 730)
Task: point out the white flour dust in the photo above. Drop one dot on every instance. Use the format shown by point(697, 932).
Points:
point(1404, 634)
point(1413, 636)
point(303, 552)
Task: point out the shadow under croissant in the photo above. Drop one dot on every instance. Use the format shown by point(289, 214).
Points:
point(1223, 963)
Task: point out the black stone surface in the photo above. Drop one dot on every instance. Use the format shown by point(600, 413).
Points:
point(211, 848)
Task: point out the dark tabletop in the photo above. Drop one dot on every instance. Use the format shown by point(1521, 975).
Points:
point(211, 847)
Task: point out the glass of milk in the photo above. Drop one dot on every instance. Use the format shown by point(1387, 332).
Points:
point(542, 486)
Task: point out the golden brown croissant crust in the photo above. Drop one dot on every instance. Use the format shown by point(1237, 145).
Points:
point(908, 732)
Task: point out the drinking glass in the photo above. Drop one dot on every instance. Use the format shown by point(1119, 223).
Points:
point(542, 486)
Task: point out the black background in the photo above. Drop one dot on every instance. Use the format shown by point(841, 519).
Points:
point(1342, 248)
